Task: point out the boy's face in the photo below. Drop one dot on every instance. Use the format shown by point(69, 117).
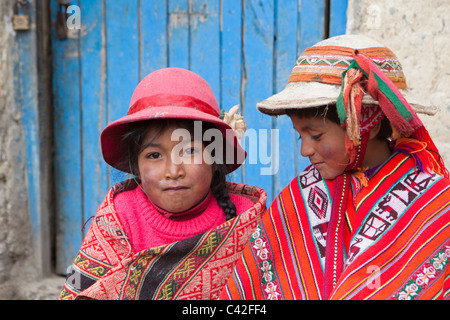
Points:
point(323, 142)
point(174, 179)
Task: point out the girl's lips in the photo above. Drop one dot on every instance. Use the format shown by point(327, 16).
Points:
point(175, 189)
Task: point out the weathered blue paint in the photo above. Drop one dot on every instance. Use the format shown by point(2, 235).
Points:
point(286, 53)
point(258, 30)
point(338, 17)
point(231, 62)
point(312, 20)
point(122, 67)
point(245, 49)
point(311, 30)
point(93, 105)
point(153, 36)
point(204, 43)
point(179, 29)
point(68, 147)
point(26, 85)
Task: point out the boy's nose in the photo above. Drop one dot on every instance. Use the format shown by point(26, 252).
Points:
point(306, 150)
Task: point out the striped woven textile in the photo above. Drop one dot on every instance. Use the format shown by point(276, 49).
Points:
point(106, 268)
point(387, 240)
point(327, 63)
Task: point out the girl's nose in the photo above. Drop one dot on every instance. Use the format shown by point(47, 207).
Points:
point(174, 169)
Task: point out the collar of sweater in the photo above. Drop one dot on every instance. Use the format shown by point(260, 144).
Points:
point(201, 218)
point(188, 214)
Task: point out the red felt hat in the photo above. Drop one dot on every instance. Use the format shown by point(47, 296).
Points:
point(170, 93)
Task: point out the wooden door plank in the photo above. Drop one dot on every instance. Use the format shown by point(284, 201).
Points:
point(258, 63)
point(122, 68)
point(67, 142)
point(312, 22)
point(178, 21)
point(338, 17)
point(231, 62)
point(286, 52)
point(36, 128)
point(93, 102)
point(205, 41)
point(153, 36)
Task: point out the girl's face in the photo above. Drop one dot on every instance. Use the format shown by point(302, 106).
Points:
point(323, 142)
point(174, 174)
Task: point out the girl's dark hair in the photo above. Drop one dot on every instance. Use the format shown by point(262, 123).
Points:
point(330, 112)
point(131, 143)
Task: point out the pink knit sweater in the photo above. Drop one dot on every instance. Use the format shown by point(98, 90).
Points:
point(148, 226)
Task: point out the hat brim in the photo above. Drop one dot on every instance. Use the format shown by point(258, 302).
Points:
point(302, 95)
point(114, 154)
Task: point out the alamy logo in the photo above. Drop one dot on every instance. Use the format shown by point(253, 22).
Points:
point(218, 150)
point(73, 278)
point(73, 17)
point(373, 282)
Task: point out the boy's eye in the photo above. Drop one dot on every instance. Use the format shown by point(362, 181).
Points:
point(316, 137)
point(153, 155)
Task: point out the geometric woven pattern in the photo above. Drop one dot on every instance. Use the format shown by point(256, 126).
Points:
point(194, 268)
point(395, 239)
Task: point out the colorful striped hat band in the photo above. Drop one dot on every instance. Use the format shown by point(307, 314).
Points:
point(375, 70)
point(326, 64)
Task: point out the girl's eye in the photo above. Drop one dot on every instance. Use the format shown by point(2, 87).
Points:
point(153, 155)
point(190, 151)
point(316, 137)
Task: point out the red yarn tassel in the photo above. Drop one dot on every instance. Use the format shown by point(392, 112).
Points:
point(431, 159)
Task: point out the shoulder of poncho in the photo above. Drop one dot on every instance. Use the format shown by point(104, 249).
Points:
point(256, 194)
point(106, 223)
point(308, 175)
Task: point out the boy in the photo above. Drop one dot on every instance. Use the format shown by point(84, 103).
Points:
point(369, 219)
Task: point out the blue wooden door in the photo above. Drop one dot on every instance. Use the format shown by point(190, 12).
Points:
point(245, 49)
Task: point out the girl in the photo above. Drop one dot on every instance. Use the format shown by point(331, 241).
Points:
point(369, 218)
point(173, 231)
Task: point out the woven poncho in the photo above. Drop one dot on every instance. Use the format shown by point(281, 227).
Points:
point(388, 240)
point(107, 268)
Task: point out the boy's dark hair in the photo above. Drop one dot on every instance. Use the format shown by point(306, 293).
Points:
point(330, 112)
point(131, 143)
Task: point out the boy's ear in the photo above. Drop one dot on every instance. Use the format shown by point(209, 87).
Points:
point(374, 131)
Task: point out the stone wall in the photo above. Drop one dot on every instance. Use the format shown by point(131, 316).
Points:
point(418, 32)
point(15, 241)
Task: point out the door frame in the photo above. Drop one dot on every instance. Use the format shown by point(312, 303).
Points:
point(33, 90)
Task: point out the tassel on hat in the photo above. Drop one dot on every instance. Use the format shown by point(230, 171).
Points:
point(403, 119)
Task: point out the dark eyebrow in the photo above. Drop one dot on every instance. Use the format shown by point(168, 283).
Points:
point(313, 126)
point(150, 144)
point(147, 145)
point(308, 127)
